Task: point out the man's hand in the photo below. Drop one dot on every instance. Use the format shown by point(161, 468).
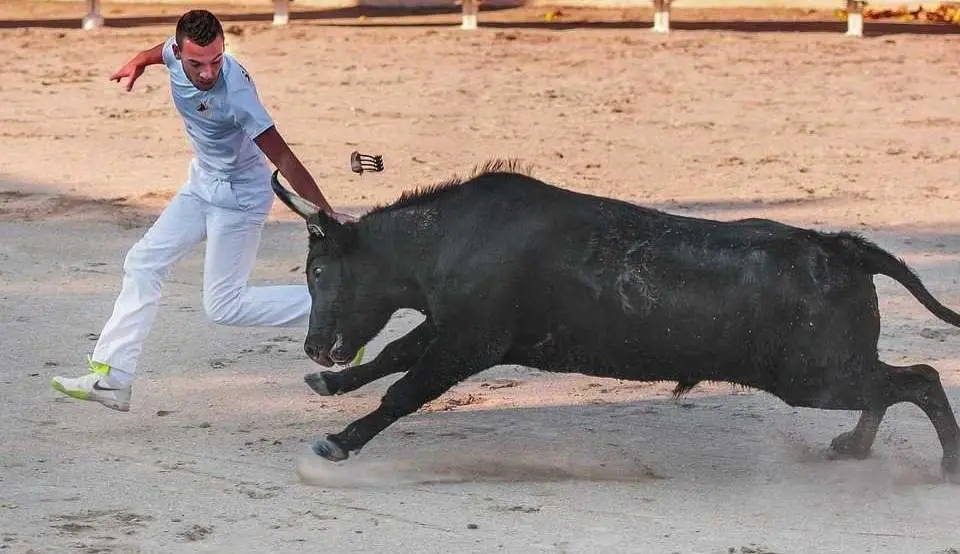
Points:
point(343, 218)
point(132, 70)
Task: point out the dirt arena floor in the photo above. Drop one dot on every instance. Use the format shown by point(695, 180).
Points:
point(736, 114)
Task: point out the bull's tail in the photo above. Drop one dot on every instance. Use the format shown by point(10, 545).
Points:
point(878, 261)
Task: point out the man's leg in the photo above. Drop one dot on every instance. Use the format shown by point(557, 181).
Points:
point(233, 237)
point(114, 361)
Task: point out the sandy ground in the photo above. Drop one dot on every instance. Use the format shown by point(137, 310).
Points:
point(789, 121)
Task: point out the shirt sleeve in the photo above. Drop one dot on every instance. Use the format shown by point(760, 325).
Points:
point(168, 58)
point(248, 110)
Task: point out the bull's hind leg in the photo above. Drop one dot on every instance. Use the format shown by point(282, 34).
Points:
point(447, 361)
point(920, 385)
point(398, 356)
point(857, 443)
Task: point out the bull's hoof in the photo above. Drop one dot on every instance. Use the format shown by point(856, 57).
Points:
point(318, 383)
point(849, 445)
point(329, 450)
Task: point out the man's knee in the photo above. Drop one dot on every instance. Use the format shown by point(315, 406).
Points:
point(222, 309)
point(139, 262)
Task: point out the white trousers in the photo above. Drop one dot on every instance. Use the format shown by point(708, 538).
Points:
point(230, 217)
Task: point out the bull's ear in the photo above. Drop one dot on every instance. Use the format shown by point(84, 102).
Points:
point(298, 205)
point(315, 231)
point(322, 226)
point(337, 237)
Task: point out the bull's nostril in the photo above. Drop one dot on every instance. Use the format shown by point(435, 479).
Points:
point(311, 350)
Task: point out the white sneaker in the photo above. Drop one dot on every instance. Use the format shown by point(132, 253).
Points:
point(95, 386)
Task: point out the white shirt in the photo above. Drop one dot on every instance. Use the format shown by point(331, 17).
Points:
point(222, 122)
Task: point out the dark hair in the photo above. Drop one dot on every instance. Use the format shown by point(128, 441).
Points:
point(200, 26)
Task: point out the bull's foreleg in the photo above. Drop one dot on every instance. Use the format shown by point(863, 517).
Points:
point(396, 357)
point(447, 361)
point(920, 385)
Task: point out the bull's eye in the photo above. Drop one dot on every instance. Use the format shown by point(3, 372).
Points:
point(317, 271)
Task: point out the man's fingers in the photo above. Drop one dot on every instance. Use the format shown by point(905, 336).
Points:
point(344, 218)
point(133, 78)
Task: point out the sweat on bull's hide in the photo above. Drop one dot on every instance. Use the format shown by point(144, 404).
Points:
point(508, 269)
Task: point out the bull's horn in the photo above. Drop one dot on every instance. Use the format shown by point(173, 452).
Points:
point(303, 208)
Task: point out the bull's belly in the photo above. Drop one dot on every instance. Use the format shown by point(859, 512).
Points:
point(624, 360)
point(623, 353)
point(804, 368)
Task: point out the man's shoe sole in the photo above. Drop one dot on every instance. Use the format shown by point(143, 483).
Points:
point(80, 395)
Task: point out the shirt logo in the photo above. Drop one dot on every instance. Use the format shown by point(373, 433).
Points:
point(244, 72)
point(205, 108)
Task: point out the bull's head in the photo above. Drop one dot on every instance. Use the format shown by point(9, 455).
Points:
point(353, 295)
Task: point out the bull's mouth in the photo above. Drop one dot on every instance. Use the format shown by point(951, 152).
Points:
point(338, 353)
point(327, 357)
point(320, 357)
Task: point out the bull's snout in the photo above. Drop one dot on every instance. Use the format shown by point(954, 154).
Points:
point(323, 355)
point(317, 354)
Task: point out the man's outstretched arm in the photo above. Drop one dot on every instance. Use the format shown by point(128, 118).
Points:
point(277, 150)
point(133, 69)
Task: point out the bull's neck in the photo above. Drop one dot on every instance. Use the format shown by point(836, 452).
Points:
point(406, 239)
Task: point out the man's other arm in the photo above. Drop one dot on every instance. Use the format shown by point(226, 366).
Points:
point(133, 69)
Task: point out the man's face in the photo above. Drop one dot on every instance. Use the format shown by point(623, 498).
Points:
point(202, 64)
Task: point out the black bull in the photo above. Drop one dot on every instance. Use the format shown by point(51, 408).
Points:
point(510, 270)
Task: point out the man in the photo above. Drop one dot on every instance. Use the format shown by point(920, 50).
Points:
point(225, 199)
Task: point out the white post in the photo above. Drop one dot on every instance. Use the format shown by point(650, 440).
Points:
point(93, 19)
point(470, 10)
point(661, 16)
point(281, 12)
point(855, 18)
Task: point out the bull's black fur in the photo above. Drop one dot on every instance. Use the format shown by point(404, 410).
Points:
point(430, 193)
point(511, 270)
